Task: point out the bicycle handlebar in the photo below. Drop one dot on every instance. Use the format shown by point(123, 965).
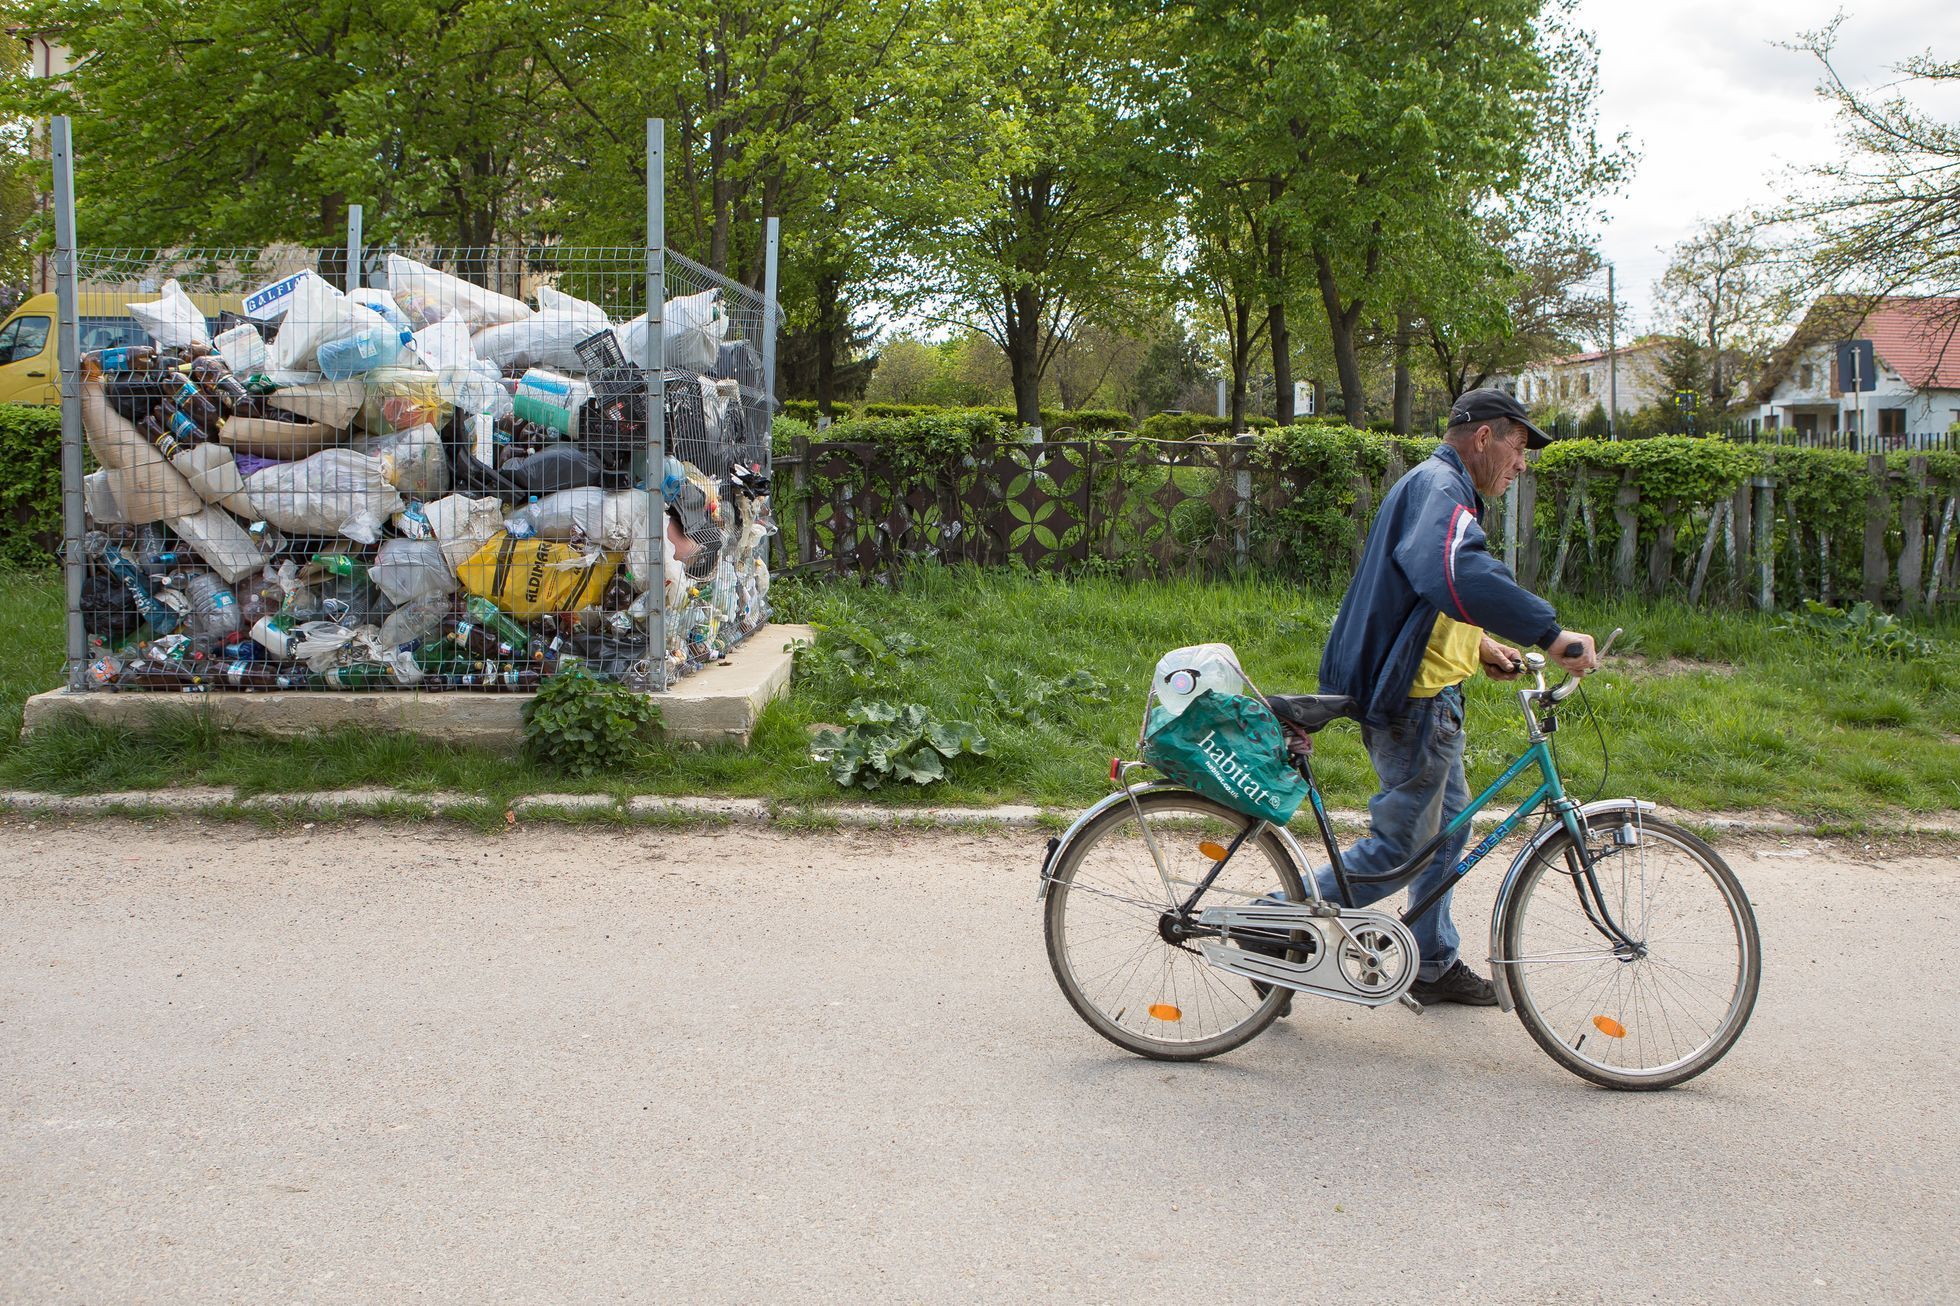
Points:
point(1562, 691)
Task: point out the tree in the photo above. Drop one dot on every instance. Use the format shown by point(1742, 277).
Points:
point(1721, 290)
point(1171, 373)
point(1092, 361)
point(18, 170)
point(1064, 202)
point(1885, 218)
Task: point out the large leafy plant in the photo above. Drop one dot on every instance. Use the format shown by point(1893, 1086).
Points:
point(884, 743)
point(582, 726)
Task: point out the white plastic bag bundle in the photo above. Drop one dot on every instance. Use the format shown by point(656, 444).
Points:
point(547, 338)
point(315, 314)
point(223, 544)
point(570, 513)
point(694, 326)
point(463, 525)
point(171, 319)
point(406, 570)
point(1184, 673)
point(465, 381)
point(426, 295)
point(243, 350)
point(335, 492)
point(414, 460)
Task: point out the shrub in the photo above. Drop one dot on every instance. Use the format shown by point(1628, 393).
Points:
point(583, 726)
point(30, 492)
point(1187, 426)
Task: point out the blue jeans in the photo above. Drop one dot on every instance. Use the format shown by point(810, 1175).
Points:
point(1419, 757)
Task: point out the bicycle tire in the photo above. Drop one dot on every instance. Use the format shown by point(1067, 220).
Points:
point(1169, 974)
point(1563, 998)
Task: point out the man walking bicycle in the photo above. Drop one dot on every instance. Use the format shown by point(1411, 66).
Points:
point(1411, 629)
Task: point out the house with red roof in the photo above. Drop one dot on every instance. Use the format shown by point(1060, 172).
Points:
point(1917, 400)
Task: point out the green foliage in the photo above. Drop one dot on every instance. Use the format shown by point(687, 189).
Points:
point(1863, 631)
point(30, 493)
point(1188, 426)
point(887, 742)
point(857, 657)
point(1678, 470)
point(1309, 535)
point(583, 726)
point(1021, 696)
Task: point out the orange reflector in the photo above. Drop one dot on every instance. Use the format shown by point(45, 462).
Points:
point(1215, 851)
point(1609, 1027)
point(1165, 1011)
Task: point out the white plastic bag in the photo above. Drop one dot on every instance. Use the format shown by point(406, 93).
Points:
point(694, 326)
point(243, 350)
point(406, 570)
point(315, 314)
point(223, 544)
point(415, 461)
point(171, 319)
point(547, 338)
point(570, 513)
point(426, 295)
point(464, 381)
point(463, 525)
point(335, 492)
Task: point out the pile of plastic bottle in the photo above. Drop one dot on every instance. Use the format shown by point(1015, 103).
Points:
point(415, 499)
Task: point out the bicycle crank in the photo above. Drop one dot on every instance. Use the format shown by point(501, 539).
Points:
point(1360, 956)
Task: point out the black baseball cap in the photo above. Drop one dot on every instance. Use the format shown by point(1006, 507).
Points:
point(1482, 405)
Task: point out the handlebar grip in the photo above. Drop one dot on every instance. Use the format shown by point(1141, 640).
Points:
point(1573, 650)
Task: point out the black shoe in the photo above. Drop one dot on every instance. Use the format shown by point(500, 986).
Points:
point(1457, 984)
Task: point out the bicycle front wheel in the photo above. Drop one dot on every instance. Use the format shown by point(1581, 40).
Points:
point(1112, 931)
point(1648, 1014)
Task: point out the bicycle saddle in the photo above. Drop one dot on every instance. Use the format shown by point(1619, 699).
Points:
point(1312, 711)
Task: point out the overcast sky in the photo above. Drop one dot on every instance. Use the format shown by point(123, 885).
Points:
point(1721, 115)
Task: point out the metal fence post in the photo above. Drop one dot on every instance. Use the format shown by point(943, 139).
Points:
point(68, 356)
point(353, 248)
point(774, 237)
point(655, 364)
point(1242, 498)
point(1765, 551)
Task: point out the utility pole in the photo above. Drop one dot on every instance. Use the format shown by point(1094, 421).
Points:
point(1612, 359)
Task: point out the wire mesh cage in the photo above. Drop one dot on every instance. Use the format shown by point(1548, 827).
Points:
point(439, 469)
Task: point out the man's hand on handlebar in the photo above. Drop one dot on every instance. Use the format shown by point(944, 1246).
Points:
point(1575, 652)
point(1501, 661)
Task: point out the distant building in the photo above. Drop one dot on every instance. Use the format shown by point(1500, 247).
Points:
point(1575, 383)
point(1917, 344)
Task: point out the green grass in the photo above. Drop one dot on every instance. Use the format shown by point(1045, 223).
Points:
point(1712, 711)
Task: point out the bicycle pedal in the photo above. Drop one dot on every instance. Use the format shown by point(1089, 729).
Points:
point(1409, 1000)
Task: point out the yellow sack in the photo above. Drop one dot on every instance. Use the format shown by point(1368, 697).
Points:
point(528, 578)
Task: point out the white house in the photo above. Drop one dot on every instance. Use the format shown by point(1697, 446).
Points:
point(1917, 345)
point(1574, 384)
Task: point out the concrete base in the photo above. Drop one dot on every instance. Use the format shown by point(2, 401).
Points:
point(718, 705)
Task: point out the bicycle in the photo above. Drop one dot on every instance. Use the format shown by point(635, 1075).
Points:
point(1625, 944)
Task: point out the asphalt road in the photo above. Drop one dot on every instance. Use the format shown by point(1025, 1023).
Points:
point(366, 1063)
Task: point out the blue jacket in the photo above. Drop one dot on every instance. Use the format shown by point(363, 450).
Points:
point(1426, 553)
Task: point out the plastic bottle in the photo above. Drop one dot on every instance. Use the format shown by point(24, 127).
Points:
point(161, 617)
point(471, 636)
point(485, 613)
point(214, 616)
point(361, 675)
point(414, 622)
point(215, 376)
point(374, 346)
point(183, 394)
point(257, 675)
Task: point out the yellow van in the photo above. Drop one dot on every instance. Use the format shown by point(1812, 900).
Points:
point(28, 371)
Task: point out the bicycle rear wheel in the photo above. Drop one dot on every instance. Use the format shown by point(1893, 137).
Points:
point(1121, 962)
point(1642, 1017)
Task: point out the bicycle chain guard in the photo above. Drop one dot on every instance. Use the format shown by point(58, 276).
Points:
point(1375, 955)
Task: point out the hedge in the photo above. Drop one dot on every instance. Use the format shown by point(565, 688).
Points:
point(1186, 426)
point(1086, 421)
point(30, 492)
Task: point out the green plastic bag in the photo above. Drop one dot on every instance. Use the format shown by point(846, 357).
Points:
point(1229, 747)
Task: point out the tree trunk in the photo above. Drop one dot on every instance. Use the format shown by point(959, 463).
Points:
point(828, 330)
point(1340, 326)
point(1024, 353)
point(1405, 389)
point(1276, 322)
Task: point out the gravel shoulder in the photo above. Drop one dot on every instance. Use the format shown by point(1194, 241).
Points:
point(385, 1062)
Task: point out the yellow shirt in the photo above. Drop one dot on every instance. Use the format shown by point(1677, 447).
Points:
point(1450, 659)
